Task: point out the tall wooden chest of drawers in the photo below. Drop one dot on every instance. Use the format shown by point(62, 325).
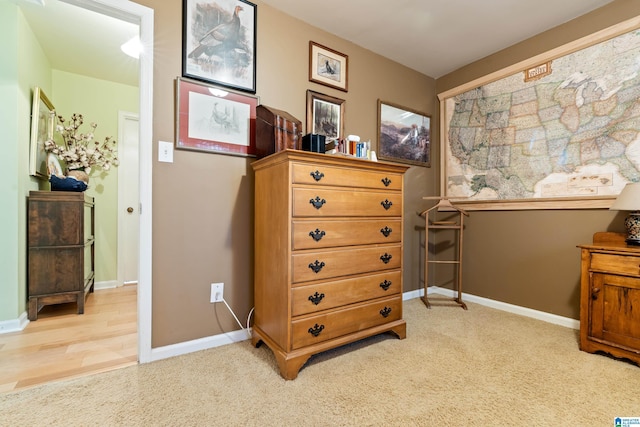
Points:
point(328, 253)
point(60, 245)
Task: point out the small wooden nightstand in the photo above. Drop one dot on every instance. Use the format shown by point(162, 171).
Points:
point(610, 297)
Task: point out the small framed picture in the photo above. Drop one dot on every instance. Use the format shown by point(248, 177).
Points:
point(325, 115)
point(214, 119)
point(328, 67)
point(43, 117)
point(404, 135)
point(219, 42)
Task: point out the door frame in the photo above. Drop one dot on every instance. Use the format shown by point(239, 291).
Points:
point(144, 18)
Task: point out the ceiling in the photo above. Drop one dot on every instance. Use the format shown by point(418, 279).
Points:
point(433, 37)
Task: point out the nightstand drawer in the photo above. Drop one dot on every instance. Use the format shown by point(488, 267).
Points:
point(619, 264)
point(312, 330)
point(321, 265)
point(327, 295)
point(331, 233)
point(342, 177)
point(321, 202)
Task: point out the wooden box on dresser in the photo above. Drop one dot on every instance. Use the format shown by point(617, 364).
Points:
point(610, 297)
point(328, 253)
point(60, 246)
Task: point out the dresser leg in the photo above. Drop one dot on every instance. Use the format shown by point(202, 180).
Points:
point(33, 308)
point(289, 368)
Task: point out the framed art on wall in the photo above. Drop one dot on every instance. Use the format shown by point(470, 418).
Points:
point(328, 67)
point(214, 119)
point(325, 115)
point(219, 43)
point(404, 135)
point(42, 124)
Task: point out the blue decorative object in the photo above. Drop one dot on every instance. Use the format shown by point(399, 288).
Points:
point(66, 184)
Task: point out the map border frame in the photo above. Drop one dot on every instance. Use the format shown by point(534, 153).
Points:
point(594, 202)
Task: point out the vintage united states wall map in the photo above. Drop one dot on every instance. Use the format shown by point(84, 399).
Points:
point(572, 133)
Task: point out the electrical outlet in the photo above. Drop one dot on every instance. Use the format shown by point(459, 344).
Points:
point(217, 292)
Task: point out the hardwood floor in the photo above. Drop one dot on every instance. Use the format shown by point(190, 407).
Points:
point(62, 344)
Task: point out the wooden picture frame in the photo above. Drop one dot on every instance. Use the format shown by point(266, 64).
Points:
point(404, 135)
point(219, 43)
point(325, 115)
point(215, 120)
point(328, 67)
point(43, 116)
point(555, 131)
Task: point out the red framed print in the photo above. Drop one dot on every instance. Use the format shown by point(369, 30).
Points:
point(214, 119)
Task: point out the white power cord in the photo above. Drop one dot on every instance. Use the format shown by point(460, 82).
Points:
point(248, 329)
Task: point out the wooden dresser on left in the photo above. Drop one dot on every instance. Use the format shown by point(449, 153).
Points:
point(60, 248)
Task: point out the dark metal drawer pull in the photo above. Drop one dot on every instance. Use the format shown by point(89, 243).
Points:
point(316, 298)
point(386, 181)
point(316, 266)
point(386, 231)
point(385, 285)
point(317, 175)
point(315, 331)
point(385, 312)
point(385, 258)
point(317, 235)
point(386, 204)
point(317, 202)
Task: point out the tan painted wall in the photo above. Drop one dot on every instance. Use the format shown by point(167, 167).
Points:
point(529, 258)
point(203, 203)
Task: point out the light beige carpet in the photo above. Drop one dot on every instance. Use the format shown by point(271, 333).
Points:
point(480, 367)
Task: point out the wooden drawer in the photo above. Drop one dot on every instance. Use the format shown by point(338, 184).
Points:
point(328, 295)
point(321, 265)
point(620, 264)
point(342, 177)
point(322, 202)
point(331, 233)
point(323, 327)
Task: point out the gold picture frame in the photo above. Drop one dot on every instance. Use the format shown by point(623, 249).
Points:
point(42, 124)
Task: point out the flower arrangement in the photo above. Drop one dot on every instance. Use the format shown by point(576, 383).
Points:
point(80, 151)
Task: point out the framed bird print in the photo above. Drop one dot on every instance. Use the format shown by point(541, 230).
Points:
point(328, 67)
point(219, 42)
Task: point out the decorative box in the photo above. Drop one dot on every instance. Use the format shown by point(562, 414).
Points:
point(276, 130)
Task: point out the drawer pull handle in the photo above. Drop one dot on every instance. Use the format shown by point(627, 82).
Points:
point(386, 231)
point(317, 202)
point(315, 331)
point(386, 181)
point(594, 293)
point(385, 285)
point(317, 235)
point(386, 204)
point(385, 258)
point(316, 298)
point(317, 175)
point(316, 266)
point(385, 312)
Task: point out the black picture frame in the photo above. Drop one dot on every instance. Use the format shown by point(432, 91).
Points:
point(404, 135)
point(219, 43)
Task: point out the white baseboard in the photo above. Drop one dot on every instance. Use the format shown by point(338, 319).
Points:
point(14, 325)
point(205, 343)
point(105, 285)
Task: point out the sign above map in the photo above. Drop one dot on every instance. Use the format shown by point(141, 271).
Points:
point(564, 137)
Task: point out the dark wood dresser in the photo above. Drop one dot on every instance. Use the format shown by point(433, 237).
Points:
point(60, 245)
point(328, 253)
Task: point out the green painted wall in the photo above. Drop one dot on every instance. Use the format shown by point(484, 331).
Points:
point(98, 101)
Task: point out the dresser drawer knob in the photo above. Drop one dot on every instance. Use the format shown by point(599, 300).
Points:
point(385, 258)
point(594, 293)
point(316, 266)
point(317, 175)
point(386, 181)
point(386, 231)
point(386, 204)
point(316, 298)
point(315, 331)
point(317, 235)
point(317, 202)
point(385, 312)
point(385, 285)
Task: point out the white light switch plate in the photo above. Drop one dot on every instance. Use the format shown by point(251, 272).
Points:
point(165, 151)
